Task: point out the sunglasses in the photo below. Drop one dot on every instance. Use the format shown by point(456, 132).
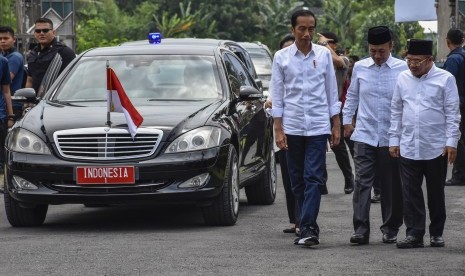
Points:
point(38, 31)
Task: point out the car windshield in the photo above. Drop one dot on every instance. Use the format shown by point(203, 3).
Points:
point(261, 60)
point(143, 77)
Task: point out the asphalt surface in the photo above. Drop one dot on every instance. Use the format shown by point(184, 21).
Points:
point(172, 240)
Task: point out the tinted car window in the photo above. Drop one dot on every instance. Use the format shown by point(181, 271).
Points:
point(143, 76)
point(237, 75)
point(261, 60)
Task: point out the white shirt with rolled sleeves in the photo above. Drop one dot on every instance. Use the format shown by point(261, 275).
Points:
point(304, 90)
point(371, 89)
point(425, 114)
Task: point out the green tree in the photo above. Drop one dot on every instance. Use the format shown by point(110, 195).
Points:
point(337, 18)
point(187, 24)
point(7, 13)
point(99, 23)
point(350, 20)
point(276, 20)
point(140, 20)
point(385, 16)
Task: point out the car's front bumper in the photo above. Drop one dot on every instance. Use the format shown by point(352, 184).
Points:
point(157, 179)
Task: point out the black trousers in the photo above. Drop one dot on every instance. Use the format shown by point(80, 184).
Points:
point(3, 133)
point(458, 170)
point(373, 163)
point(342, 158)
point(291, 202)
point(411, 173)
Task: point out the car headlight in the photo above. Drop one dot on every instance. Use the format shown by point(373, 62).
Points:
point(21, 140)
point(197, 139)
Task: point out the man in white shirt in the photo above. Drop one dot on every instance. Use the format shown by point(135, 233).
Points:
point(424, 133)
point(370, 91)
point(305, 98)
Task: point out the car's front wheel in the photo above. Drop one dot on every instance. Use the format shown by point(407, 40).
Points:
point(264, 191)
point(20, 216)
point(225, 209)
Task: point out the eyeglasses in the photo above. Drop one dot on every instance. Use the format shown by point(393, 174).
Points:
point(38, 31)
point(415, 62)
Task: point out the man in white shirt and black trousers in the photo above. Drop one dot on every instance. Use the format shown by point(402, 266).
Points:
point(424, 133)
point(305, 99)
point(371, 89)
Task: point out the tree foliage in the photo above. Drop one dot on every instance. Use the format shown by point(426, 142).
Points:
point(183, 25)
point(109, 22)
point(276, 13)
point(350, 20)
point(7, 15)
point(99, 23)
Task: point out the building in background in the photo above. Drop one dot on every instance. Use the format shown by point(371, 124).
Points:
point(451, 14)
point(61, 12)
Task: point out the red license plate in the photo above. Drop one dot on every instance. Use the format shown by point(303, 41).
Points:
point(105, 175)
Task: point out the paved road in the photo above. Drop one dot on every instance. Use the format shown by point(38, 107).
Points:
point(173, 241)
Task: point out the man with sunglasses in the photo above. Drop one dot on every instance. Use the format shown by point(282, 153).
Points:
point(39, 59)
point(423, 135)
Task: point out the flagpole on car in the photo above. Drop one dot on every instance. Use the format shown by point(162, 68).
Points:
point(109, 99)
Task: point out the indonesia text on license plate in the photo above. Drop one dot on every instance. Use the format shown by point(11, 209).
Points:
point(105, 175)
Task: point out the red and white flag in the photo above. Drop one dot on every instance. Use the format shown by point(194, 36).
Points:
point(118, 101)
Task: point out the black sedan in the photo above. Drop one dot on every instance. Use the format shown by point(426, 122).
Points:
point(204, 136)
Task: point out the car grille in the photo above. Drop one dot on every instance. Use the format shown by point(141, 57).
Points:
point(143, 186)
point(102, 143)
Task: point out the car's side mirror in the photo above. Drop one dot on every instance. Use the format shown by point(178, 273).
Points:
point(259, 83)
point(248, 93)
point(25, 95)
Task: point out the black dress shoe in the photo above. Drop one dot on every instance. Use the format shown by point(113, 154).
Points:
point(349, 186)
point(455, 182)
point(411, 242)
point(360, 239)
point(376, 198)
point(389, 238)
point(290, 230)
point(436, 241)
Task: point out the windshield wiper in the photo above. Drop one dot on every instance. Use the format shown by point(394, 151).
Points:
point(175, 100)
point(60, 103)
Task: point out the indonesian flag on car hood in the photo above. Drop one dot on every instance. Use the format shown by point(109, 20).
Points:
point(118, 101)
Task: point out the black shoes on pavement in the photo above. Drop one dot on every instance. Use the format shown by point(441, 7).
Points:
point(436, 241)
point(411, 242)
point(376, 198)
point(360, 239)
point(349, 186)
point(290, 230)
point(454, 182)
point(307, 238)
point(389, 238)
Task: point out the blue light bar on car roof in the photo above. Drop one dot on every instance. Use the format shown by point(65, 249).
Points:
point(155, 38)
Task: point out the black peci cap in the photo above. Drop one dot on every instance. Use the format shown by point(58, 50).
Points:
point(379, 35)
point(420, 47)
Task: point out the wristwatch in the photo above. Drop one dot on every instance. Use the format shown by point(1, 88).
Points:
point(324, 43)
